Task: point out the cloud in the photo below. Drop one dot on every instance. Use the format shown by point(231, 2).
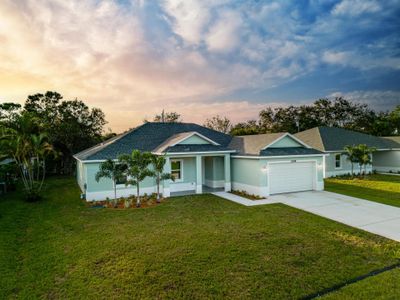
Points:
point(224, 35)
point(356, 7)
point(134, 58)
point(376, 99)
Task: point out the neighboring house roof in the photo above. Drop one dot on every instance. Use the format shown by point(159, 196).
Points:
point(154, 136)
point(335, 139)
point(265, 145)
point(393, 138)
point(253, 144)
point(6, 161)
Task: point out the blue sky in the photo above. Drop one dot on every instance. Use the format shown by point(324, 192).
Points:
point(200, 58)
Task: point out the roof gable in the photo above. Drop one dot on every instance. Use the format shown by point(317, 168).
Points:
point(286, 141)
point(195, 138)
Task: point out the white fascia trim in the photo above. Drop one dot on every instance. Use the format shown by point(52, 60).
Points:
point(285, 135)
point(198, 134)
point(278, 156)
point(169, 154)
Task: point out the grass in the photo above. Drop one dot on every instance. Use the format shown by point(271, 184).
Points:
point(382, 286)
point(378, 187)
point(188, 247)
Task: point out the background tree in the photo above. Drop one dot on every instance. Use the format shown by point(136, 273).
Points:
point(222, 124)
point(29, 152)
point(158, 163)
point(70, 125)
point(137, 168)
point(246, 128)
point(168, 117)
point(113, 170)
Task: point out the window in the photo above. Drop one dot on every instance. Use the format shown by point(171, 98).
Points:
point(176, 169)
point(338, 161)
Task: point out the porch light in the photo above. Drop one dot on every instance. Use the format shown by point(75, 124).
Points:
point(319, 166)
point(264, 169)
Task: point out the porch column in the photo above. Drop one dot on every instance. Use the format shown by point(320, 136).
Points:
point(227, 166)
point(199, 175)
point(167, 169)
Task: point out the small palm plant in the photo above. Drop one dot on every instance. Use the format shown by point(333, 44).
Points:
point(365, 156)
point(351, 153)
point(158, 163)
point(137, 169)
point(113, 170)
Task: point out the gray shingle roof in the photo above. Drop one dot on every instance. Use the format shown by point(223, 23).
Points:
point(252, 144)
point(289, 151)
point(335, 139)
point(148, 137)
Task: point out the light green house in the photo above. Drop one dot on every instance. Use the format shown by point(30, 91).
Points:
point(331, 141)
point(203, 160)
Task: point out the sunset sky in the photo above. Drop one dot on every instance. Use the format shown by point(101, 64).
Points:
point(200, 58)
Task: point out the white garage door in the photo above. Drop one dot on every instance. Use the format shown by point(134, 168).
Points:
point(291, 177)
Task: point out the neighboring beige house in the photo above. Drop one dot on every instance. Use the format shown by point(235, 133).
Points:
point(332, 141)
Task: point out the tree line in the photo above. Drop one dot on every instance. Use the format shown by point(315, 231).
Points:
point(338, 112)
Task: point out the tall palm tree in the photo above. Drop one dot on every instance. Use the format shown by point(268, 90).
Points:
point(137, 164)
point(158, 163)
point(113, 170)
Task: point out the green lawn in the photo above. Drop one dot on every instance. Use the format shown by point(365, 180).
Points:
point(382, 286)
point(379, 188)
point(188, 247)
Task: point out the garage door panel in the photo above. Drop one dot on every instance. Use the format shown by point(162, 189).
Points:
point(291, 177)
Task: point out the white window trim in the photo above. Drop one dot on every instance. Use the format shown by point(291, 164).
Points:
point(340, 160)
point(123, 185)
point(181, 161)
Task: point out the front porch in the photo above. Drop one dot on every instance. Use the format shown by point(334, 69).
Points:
point(206, 190)
point(197, 174)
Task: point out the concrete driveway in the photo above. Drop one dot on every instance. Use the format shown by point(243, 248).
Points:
point(370, 216)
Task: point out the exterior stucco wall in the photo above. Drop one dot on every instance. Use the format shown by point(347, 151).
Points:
point(286, 142)
point(386, 161)
point(251, 175)
point(246, 175)
point(194, 140)
point(345, 166)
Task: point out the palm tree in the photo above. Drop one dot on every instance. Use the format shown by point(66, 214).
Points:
point(137, 169)
point(351, 153)
point(113, 170)
point(158, 163)
point(29, 151)
point(364, 156)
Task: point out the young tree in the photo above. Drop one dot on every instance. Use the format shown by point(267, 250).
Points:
point(158, 163)
point(351, 153)
point(137, 165)
point(113, 170)
point(222, 124)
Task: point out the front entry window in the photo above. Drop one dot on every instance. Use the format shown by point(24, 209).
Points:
point(176, 169)
point(338, 161)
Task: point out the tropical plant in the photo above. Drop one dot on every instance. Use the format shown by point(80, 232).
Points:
point(364, 156)
point(351, 153)
point(137, 168)
point(29, 152)
point(113, 170)
point(158, 163)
